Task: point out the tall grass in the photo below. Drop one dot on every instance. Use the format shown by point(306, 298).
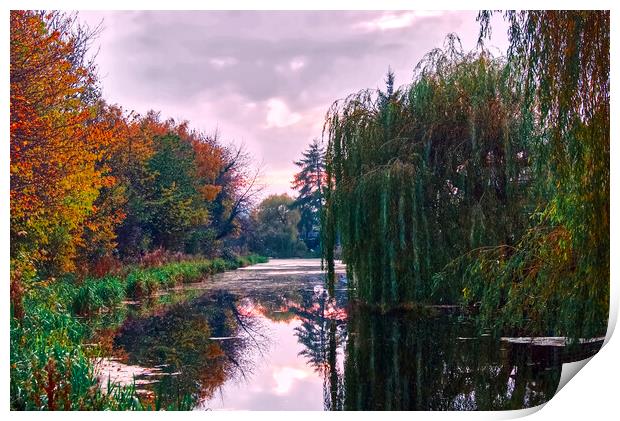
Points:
point(51, 369)
point(95, 294)
point(143, 282)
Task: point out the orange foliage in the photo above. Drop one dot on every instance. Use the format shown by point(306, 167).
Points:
point(57, 143)
point(210, 157)
point(77, 162)
point(209, 161)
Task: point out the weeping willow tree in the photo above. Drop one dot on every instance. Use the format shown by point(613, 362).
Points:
point(556, 279)
point(418, 175)
point(484, 181)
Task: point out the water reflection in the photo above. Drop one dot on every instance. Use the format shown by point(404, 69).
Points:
point(198, 346)
point(405, 362)
point(323, 333)
point(261, 339)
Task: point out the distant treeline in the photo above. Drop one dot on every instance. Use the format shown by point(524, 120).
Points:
point(282, 226)
point(485, 181)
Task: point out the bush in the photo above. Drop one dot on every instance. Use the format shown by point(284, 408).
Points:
point(218, 265)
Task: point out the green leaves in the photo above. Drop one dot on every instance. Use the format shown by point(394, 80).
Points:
point(419, 175)
point(276, 227)
point(557, 277)
point(484, 181)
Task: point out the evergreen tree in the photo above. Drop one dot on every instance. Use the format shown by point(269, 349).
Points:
point(385, 97)
point(309, 181)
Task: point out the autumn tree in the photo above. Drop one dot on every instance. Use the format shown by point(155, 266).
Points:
point(56, 141)
point(100, 236)
point(185, 190)
point(176, 207)
point(238, 185)
point(91, 181)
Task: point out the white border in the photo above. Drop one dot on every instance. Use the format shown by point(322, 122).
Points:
point(591, 394)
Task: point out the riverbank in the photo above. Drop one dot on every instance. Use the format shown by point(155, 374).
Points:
point(51, 368)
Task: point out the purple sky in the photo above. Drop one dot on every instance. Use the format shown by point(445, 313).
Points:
point(264, 79)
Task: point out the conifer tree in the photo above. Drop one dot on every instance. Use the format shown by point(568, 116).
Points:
point(309, 181)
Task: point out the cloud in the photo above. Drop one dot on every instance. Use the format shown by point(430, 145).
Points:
point(395, 20)
point(296, 64)
point(279, 115)
point(221, 62)
point(263, 78)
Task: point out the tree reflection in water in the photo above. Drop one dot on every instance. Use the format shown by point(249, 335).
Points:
point(323, 332)
point(407, 362)
point(199, 345)
point(367, 360)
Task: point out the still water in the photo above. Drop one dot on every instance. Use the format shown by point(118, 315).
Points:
point(268, 337)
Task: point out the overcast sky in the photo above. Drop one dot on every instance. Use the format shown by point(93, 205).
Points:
point(264, 79)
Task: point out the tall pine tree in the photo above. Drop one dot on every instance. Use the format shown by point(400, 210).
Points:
point(309, 182)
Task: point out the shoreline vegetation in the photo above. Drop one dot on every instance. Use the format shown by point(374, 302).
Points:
point(106, 205)
point(481, 188)
point(109, 205)
point(52, 365)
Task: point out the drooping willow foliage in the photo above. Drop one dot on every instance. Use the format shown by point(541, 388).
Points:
point(556, 279)
point(419, 175)
point(486, 180)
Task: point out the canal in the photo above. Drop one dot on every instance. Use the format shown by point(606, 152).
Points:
point(268, 337)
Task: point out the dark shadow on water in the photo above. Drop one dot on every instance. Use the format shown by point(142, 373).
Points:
point(408, 363)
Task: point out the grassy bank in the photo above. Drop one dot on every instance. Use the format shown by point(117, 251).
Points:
point(97, 293)
point(51, 368)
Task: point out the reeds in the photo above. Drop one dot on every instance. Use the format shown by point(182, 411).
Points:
point(51, 369)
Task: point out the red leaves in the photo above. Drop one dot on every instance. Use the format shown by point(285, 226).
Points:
point(55, 143)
